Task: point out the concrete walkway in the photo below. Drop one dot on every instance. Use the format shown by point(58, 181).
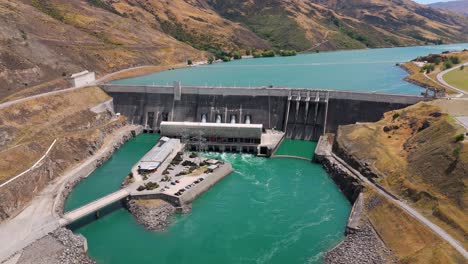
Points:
point(436, 229)
point(92, 207)
point(443, 82)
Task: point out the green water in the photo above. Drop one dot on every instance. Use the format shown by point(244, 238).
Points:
point(107, 178)
point(371, 70)
point(267, 211)
point(299, 148)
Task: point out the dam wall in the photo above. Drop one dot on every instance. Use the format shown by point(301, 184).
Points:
point(301, 113)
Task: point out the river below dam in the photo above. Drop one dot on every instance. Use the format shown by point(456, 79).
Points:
point(372, 70)
point(267, 211)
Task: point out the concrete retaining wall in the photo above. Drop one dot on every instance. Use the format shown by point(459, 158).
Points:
point(209, 181)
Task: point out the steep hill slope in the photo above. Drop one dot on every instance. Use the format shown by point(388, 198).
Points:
point(45, 40)
point(419, 153)
point(319, 24)
point(459, 6)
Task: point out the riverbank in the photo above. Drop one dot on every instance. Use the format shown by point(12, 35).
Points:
point(41, 216)
point(86, 168)
point(408, 234)
point(362, 244)
point(58, 247)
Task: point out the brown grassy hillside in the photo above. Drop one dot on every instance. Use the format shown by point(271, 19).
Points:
point(414, 152)
point(27, 129)
point(318, 24)
point(45, 40)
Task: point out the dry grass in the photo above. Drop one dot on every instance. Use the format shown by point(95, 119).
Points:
point(150, 202)
point(430, 81)
point(458, 78)
point(418, 164)
point(409, 240)
point(416, 76)
point(29, 127)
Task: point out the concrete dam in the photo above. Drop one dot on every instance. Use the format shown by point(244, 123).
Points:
point(303, 114)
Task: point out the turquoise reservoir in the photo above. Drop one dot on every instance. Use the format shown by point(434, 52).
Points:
point(371, 70)
point(267, 211)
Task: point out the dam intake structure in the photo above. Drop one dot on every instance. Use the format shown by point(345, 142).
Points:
point(301, 113)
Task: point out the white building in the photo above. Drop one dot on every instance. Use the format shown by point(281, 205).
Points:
point(229, 137)
point(82, 78)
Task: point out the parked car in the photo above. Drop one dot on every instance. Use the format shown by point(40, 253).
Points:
point(182, 190)
point(167, 187)
point(200, 179)
point(173, 183)
point(177, 181)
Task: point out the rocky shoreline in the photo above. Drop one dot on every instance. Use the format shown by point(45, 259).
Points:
point(152, 214)
point(73, 181)
point(62, 245)
point(362, 244)
point(58, 247)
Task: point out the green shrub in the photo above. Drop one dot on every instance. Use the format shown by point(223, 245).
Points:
point(151, 186)
point(396, 115)
point(248, 52)
point(268, 53)
point(428, 67)
point(462, 67)
point(257, 54)
point(448, 64)
point(190, 62)
point(211, 60)
point(288, 53)
point(237, 55)
point(456, 152)
point(454, 59)
point(459, 137)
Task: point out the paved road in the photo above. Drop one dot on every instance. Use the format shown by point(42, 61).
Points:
point(436, 229)
point(443, 82)
point(9, 103)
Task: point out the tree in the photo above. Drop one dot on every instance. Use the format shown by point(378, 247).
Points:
point(211, 60)
point(248, 52)
point(268, 53)
point(257, 54)
point(237, 55)
point(462, 67)
point(189, 62)
point(454, 59)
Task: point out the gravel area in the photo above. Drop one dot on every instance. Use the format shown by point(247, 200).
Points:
point(59, 247)
point(152, 214)
point(362, 246)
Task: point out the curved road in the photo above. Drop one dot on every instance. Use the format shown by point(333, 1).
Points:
point(436, 229)
point(96, 82)
point(443, 82)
